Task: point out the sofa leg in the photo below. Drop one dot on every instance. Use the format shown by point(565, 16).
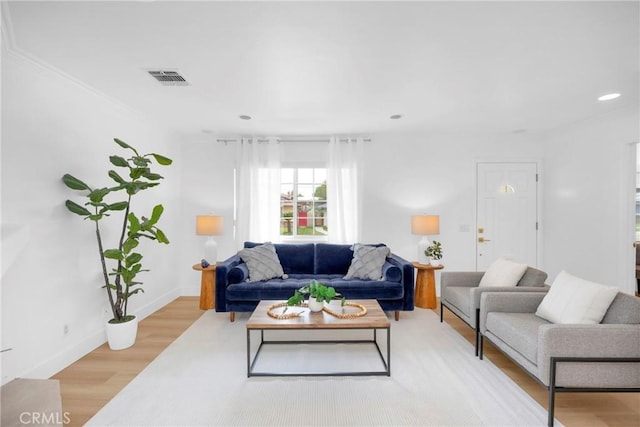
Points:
point(441, 308)
point(397, 315)
point(481, 345)
point(232, 316)
point(552, 392)
point(477, 329)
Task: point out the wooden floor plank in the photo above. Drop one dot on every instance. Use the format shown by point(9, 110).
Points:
point(88, 384)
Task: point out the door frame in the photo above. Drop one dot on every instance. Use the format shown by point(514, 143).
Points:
point(539, 198)
point(627, 219)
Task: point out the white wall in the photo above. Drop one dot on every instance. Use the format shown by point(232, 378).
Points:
point(207, 177)
point(404, 175)
point(50, 264)
point(409, 174)
point(589, 202)
point(586, 194)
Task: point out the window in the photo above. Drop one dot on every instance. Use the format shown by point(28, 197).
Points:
point(303, 202)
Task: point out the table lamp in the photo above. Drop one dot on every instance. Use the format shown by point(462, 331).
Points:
point(424, 225)
point(209, 225)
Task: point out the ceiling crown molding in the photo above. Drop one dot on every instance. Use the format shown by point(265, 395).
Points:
point(11, 49)
point(7, 28)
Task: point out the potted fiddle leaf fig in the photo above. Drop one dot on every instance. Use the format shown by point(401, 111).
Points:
point(100, 203)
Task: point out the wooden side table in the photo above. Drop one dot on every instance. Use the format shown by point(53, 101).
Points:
point(207, 286)
point(426, 285)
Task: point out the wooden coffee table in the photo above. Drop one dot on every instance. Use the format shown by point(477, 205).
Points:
point(374, 320)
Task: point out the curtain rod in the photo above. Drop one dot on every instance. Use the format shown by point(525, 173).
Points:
point(235, 140)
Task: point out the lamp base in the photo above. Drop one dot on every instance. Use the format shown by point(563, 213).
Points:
point(211, 251)
point(423, 244)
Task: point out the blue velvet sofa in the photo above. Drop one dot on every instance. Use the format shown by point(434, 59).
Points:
point(328, 263)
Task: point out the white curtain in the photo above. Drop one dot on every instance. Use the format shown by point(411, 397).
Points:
point(258, 190)
point(343, 189)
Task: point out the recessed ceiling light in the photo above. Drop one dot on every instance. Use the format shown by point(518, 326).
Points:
point(608, 97)
point(396, 116)
point(245, 117)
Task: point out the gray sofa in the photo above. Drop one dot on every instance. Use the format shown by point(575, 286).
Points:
point(460, 293)
point(566, 357)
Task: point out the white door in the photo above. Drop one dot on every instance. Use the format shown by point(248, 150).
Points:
point(506, 223)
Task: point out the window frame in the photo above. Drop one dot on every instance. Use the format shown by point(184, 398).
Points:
point(296, 166)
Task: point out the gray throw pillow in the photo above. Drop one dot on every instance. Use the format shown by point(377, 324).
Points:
point(262, 261)
point(367, 262)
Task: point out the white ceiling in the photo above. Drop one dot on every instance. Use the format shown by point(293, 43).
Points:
point(309, 68)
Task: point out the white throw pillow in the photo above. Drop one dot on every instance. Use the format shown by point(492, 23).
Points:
point(367, 262)
point(263, 262)
point(575, 300)
point(503, 273)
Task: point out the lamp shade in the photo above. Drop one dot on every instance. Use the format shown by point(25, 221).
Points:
point(208, 225)
point(425, 224)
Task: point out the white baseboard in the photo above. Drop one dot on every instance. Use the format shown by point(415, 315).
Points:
point(190, 291)
point(157, 304)
point(68, 356)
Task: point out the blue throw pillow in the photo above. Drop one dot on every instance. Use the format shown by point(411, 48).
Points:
point(391, 273)
point(238, 274)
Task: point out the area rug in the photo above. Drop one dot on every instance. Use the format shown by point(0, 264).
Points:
point(201, 380)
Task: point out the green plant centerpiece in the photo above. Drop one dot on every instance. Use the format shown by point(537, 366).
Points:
point(120, 282)
point(317, 292)
point(434, 251)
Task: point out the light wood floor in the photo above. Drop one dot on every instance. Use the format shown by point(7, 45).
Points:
point(88, 384)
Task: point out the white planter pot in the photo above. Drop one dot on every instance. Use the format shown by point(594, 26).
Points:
point(314, 305)
point(122, 335)
point(434, 262)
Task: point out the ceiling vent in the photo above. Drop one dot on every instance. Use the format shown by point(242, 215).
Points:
point(168, 78)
